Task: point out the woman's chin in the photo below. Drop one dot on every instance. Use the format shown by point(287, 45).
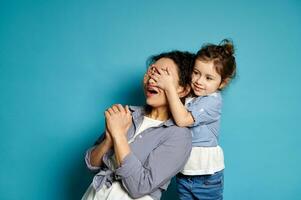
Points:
point(149, 102)
point(155, 104)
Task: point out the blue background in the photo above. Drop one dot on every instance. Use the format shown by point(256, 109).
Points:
point(63, 62)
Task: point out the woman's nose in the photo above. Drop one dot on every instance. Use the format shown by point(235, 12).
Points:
point(148, 79)
point(151, 81)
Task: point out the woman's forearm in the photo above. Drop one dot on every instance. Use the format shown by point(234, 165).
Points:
point(99, 151)
point(121, 147)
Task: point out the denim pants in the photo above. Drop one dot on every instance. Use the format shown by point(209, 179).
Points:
point(201, 187)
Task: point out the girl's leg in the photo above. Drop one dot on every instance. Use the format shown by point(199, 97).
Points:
point(184, 186)
point(209, 187)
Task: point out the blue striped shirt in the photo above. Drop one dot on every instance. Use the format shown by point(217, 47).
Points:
point(156, 156)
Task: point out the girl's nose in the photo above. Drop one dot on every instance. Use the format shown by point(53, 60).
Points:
point(199, 81)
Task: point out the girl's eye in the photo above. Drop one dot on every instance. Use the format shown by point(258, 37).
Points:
point(209, 78)
point(195, 72)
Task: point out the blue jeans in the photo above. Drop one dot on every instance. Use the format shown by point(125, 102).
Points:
point(202, 187)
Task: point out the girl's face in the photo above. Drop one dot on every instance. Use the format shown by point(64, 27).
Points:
point(205, 79)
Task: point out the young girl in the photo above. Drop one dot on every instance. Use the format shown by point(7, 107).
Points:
point(214, 67)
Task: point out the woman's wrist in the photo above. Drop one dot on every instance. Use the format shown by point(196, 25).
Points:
point(117, 136)
point(121, 148)
point(108, 142)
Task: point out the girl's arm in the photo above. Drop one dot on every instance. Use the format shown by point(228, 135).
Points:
point(179, 112)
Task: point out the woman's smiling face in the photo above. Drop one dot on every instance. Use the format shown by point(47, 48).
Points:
point(155, 96)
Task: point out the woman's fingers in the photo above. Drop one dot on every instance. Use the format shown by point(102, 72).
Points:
point(107, 114)
point(110, 111)
point(115, 108)
point(127, 110)
point(120, 107)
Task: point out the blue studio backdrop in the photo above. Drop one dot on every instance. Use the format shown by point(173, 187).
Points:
point(62, 63)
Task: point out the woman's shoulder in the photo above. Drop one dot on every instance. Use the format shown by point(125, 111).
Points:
point(178, 136)
point(137, 110)
point(179, 132)
point(141, 109)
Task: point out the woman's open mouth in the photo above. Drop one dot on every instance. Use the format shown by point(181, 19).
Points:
point(151, 91)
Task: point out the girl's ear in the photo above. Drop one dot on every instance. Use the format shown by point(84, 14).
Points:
point(224, 83)
point(183, 92)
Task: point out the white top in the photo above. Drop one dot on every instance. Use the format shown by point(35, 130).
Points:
point(147, 123)
point(204, 160)
point(116, 192)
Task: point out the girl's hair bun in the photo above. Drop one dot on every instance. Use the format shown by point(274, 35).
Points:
point(227, 46)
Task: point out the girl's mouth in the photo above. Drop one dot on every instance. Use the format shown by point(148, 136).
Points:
point(198, 88)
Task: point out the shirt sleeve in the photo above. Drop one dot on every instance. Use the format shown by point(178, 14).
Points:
point(162, 164)
point(205, 111)
point(88, 154)
point(87, 160)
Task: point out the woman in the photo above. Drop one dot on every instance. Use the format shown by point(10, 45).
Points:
point(142, 148)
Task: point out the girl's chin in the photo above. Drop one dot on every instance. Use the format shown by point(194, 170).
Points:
point(199, 93)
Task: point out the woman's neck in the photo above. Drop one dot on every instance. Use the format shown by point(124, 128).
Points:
point(161, 113)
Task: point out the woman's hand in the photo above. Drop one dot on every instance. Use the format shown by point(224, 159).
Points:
point(118, 121)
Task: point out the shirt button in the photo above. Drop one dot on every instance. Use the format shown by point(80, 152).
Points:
point(140, 136)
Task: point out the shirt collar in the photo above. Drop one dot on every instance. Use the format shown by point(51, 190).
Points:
point(214, 94)
point(138, 112)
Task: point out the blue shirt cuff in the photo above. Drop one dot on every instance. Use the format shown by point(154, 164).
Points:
point(87, 159)
point(129, 166)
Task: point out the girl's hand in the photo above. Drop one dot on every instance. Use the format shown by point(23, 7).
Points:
point(162, 78)
point(118, 120)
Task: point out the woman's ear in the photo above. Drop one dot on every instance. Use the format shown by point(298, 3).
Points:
point(183, 92)
point(224, 83)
